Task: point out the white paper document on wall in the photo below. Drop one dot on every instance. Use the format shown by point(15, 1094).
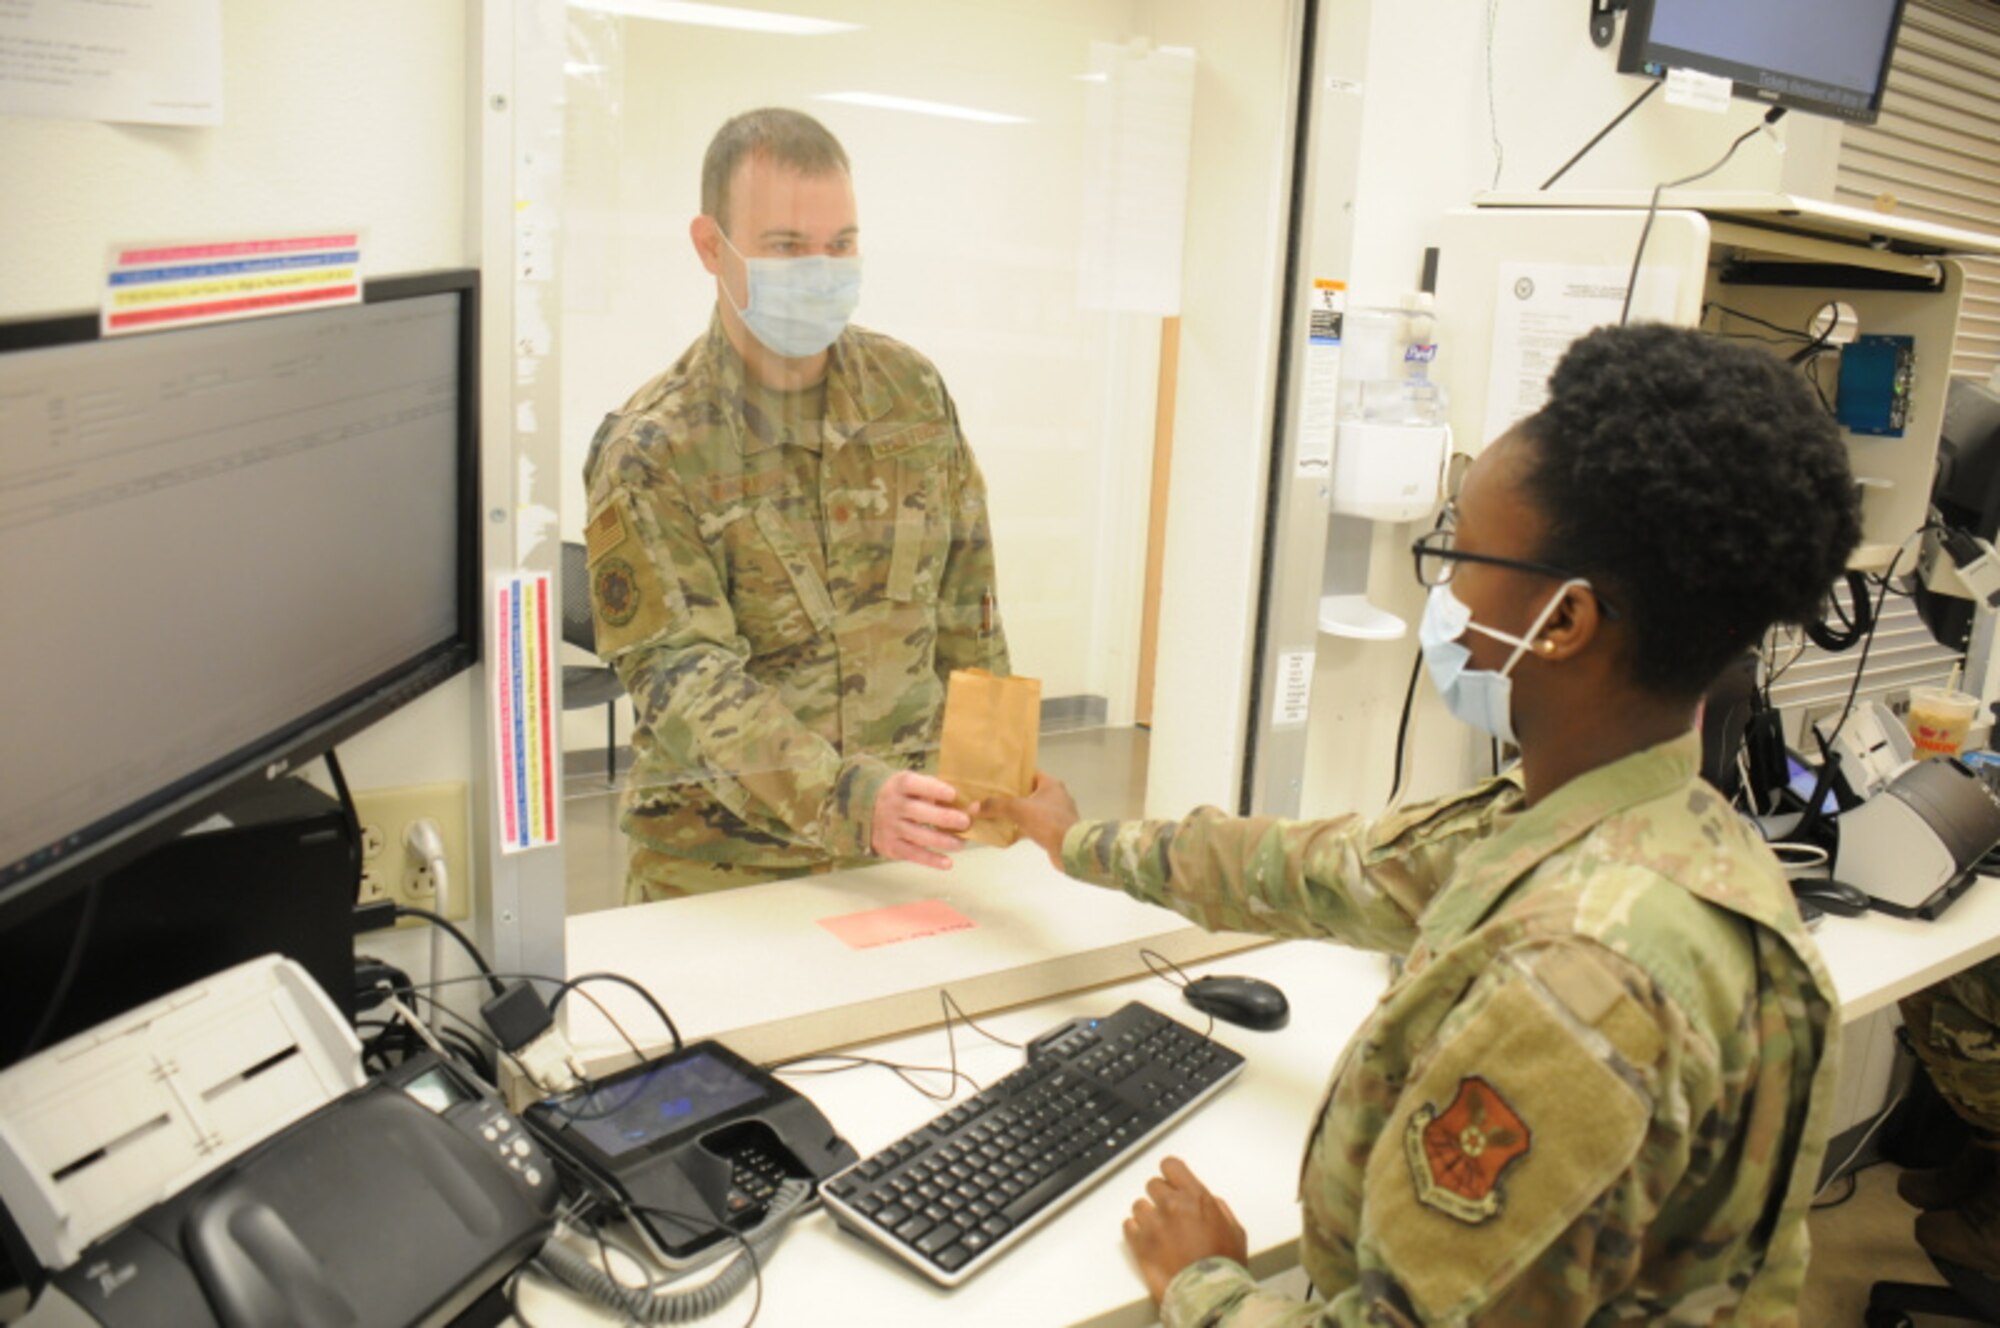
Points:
point(1540, 309)
point(1319, 410)
point(132, 62)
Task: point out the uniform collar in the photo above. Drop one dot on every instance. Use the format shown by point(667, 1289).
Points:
point(1486, 871)
point(857, 391)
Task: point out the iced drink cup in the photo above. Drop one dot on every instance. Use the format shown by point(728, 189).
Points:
point(1938, 720)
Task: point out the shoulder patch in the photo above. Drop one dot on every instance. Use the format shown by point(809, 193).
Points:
point(605, 532)
point(1510, 1129)
point(615, 587)
point(1457, 1156)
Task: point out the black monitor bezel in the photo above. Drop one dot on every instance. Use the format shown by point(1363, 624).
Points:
point(1640, 54)
point(54, 873)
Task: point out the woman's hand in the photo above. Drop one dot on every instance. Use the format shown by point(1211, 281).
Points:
point(1044, 816)
point(1179, 1223)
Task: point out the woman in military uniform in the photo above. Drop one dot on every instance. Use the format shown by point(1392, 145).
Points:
point(1600, 1087)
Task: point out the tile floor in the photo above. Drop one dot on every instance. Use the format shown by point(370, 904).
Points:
point(1866, 1239)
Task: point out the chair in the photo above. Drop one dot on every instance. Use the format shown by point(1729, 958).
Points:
point(1969, 1297)
point(587, 685)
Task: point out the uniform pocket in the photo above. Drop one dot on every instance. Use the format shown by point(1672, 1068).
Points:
point(921, 534)
point(780, 593)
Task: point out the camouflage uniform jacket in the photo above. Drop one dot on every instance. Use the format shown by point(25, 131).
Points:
point(784, 611)
point(1599, 1091)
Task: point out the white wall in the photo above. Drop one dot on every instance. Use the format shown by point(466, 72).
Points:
point(1427, 146)
point(329, 122)
point(354, 123)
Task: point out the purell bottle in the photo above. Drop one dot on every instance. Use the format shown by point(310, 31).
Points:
point(1389, 455)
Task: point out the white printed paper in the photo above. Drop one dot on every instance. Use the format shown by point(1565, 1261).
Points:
point(1698, 91)
point(133, 62)
point(1295, 688)
point(1318, 410)
point(1539, 310)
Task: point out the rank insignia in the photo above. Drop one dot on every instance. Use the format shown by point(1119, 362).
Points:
point(614, 586)
point(1457, 1156)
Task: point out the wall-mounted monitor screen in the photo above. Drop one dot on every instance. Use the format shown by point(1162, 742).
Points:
point(222, 549)
point(1825, 57)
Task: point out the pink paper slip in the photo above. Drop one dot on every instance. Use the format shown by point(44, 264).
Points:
point(902, 922)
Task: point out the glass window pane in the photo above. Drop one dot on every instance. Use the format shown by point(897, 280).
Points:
point(811, 541)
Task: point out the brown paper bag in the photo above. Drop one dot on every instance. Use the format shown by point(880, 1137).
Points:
point(991, 729)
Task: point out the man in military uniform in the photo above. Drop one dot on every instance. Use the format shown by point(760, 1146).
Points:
point(1955, 1027)
point(1600, 1087)
point(788, 550)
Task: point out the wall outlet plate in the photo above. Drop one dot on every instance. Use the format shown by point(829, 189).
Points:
point(386, 815)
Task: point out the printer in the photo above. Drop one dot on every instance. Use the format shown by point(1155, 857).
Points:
point(217, 1157)
point(1913, 847)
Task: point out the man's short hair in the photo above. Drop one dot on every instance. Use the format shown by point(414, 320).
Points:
point(790, 138)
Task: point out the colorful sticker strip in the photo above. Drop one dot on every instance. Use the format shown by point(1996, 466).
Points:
point(165, 286)
point(523, 712)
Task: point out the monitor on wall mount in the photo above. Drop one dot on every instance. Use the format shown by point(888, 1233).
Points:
point(1822, 57)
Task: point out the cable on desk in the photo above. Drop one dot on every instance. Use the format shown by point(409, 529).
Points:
point(451, 929)
point(609, 1018)
point(512, 1292)
point(800, 1065)
point(654, 1305)
point(949, 1004)
point(450, 1013)
point(1153, 960)
point(566, 985)
point(1808, 855)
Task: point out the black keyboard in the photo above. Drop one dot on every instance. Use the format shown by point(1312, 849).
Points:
point(950, 1197)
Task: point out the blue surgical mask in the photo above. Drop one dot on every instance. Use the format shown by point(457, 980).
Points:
point(1483, 698)
point(798, 306)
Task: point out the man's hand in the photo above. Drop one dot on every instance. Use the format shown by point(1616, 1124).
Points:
point(915, 821)
point(1179, 1223)
point(1044, 816)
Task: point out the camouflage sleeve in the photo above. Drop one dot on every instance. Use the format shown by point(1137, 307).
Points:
point(664, 623)
point(1360, 882)
point(970, 634)
point(1519, 1173)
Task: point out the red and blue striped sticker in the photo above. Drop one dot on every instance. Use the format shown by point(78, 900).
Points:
point(524, 711)
point(160, 286)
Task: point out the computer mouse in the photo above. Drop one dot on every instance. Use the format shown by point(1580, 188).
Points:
point(1831, 896)
point(1245, 1002)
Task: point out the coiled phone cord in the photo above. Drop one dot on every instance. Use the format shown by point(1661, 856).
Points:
point(644, 1305)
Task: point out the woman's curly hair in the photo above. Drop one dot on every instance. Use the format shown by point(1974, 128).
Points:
point(1699, 484)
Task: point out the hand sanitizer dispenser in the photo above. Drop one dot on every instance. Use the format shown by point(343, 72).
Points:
point(1390, 449)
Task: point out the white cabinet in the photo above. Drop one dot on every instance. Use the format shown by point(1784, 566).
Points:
point(1770, 257)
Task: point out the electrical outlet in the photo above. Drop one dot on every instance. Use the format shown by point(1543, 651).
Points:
point(386, 816)
point(374, 886)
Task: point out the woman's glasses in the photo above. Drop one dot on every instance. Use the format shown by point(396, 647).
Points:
point(1437, 557)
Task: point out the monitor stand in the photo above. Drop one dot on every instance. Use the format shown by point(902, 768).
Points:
point(280, 877)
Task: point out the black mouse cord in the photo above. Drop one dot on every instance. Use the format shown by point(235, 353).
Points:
point(1167, 971)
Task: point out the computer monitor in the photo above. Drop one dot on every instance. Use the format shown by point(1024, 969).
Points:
point(223, 549)
point(1966, 493)
point(1825, 57)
